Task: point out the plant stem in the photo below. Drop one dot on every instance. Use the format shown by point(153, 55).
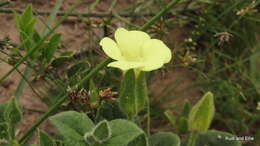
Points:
point(160, 14)
point(25, 79)
point(63, 96)
point(192, 139)
point(19, 90)
point(148, 118)
point(97, 15)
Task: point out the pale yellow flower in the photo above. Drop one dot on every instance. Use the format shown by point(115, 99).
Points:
point(135, 50)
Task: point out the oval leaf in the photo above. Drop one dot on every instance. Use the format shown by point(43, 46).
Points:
point(164, 139)
point(123, 132)
point(201, 114)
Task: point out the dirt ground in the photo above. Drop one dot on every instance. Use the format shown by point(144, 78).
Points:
point(75, 36)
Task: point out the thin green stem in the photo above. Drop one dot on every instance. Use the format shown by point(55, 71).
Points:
point(113, 4)
point(159, 15)
point(25, 79)
point(94, 71)
point(89, 15)
point(63, 96)
point(124, 20)
point(148, 118)
point(19, 90)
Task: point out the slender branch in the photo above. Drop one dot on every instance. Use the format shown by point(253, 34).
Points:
point(148, 118)
point(26, 80)
point(160, 14)
point(34, 110)
point(19, 90)
point(75, 14)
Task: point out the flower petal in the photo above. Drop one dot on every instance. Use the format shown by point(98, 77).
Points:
point(155, 50)
point(110, 48)
point(130, 43)
point(149, 66)
point(125, 65)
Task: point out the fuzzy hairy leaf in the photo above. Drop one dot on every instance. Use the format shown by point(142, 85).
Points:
point(123, 133)
point(102, 131)
point(140, 140)
point(3, 106)
point(110, 111)
point(45, 139)
point(164, 139)
point(4, 131)
point(25, 24)
point(13, 112)
point(72, 126)
point(52, 47)
point(201, 114)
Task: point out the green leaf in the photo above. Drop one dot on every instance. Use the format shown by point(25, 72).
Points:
point(164, 139)
point(182, 125)
point(72, 126)
point(109, 110)
point(102, 131)
point(133, 93)
point(201, 114)
point(75, 120)
point(90, 139)
point(25, 24)
point(170, 117)
point(27, 14)
point(36, 37)
point(45, 139)
point(140, 140)
point(13, 113)
point(3, 106)
point(217, 138)
point(186, 109)
point(123, 133)
point(100, 134)
point(52, 47)
point(4, 131)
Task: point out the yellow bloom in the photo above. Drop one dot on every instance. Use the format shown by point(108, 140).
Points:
point(135, 50)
